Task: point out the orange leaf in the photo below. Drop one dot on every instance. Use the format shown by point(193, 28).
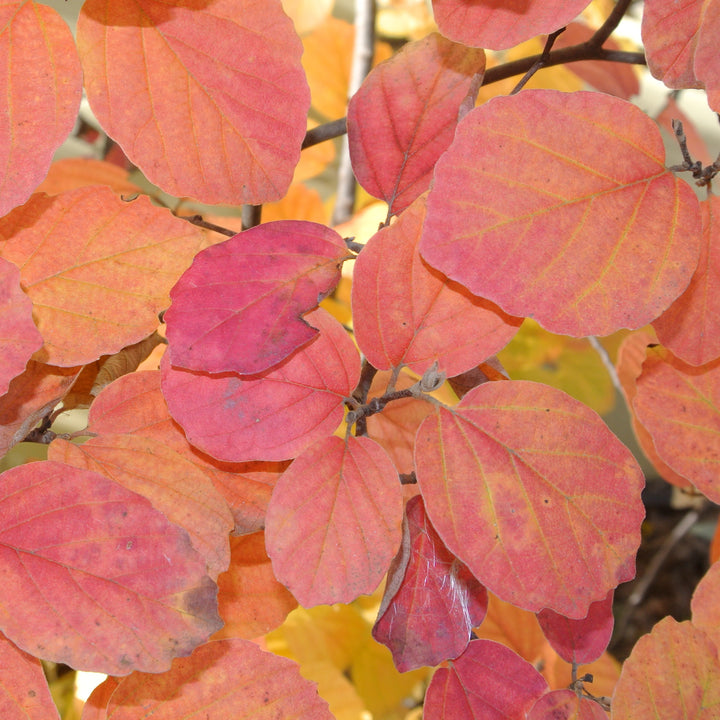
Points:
point(106, 582)
point(403, 117)
point(251, 601)
point(41, 84)
point(175, 487)
point(690, 327)
point(405, 312)
point(679, 405)
point(334, 520)
point(31, 396)
point(674, 669)
point(134, 404)
point(72, 173)
point(97, 269)
point(588, 233)
point(24, 692)
point(236, 418)
point(18, 334)
point(705, 609)
point(240, 306)
point(227, 72)
point(500, 25)
point(229, 678)
point(531, 490)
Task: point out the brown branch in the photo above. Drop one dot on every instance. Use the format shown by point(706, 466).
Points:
point(197, 220)
point(542, 60)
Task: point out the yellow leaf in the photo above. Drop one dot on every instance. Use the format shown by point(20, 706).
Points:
point(307, 14)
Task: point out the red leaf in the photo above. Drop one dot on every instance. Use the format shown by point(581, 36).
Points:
point(679, 405)
point(405, 312)
point(690, 327)
point(487, 681)
point(24, 692)
point(228, 72)
point(565, 705)
point(580, 641)
point(675, 669)
point(18, 334)
point(98, 269)
point(403, 117)
point(106, 582)
point(221, 679)
point(589, 233)
point(240, 307)
point(237, 419)
point(531, 490)
point(41, 83)
point(134, 404)
point(174, 486)
point(431, 601)
point(334, 521)
point(500, 25)
point(251, 601)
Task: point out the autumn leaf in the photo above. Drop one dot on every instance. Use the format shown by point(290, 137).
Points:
point(42, 85)
point(228, 678)
point(531, 490)
point(24, 693)
point(108, 584)
point(403, 117)
point(18, 334)
point(184, 77)
point(679, 405)
point(682, 682)
point(240, 307)
point(498, 26)
point(487, 680)
point(405, 312)
point(589, 233)
point(304, 395)
point(431, 601)
point(98, 270)
point(333, 522)
point(566, 705)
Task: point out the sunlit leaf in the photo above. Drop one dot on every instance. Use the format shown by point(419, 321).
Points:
point(690, 327)
point(334, 520)
point(531, 490)
point(229, 678)
point(226, 72)
point(566, 705)
point(19, 338)
point(498, 26)
point(487, 681)
point(675, 667)
point(175, 487)
point(251, 601)
point(76, 172)
point(41, 85)
point(134, 404)
point(580, 641)
point(431, 601)
point(24, 692)
point(679, 405)
point(307, 14)
point(589, 233)
point(240, 306)
point(407, 313)
point(107, 583)
point(403, 117)
point(98, 270)
point(237, 419)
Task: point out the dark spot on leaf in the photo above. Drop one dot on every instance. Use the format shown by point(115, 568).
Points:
point(31, 693)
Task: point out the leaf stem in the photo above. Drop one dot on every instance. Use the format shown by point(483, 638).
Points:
point(198, 220)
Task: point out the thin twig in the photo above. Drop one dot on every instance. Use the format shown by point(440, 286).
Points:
point(361, 64)
point(197, 220)
point(552, 37)
point(608, 363)
point(613, 20)
point(326, 131)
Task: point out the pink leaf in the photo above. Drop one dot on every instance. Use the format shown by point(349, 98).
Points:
point(240, 306)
